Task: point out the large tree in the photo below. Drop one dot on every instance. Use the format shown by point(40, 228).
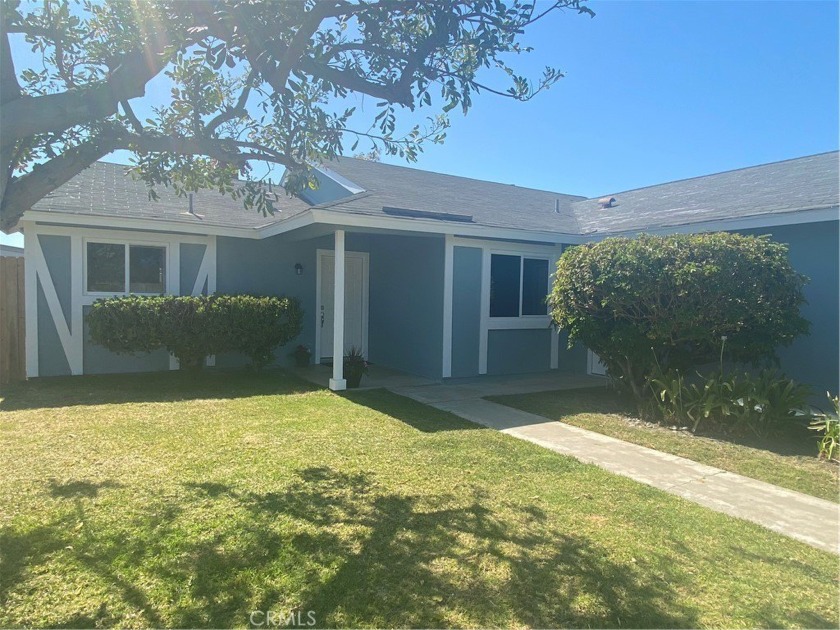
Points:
point(246, 82)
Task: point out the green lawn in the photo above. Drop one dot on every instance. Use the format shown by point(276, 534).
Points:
point(154, 501)
point(787, 460)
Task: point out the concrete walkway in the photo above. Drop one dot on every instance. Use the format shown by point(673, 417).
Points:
point(809, 519)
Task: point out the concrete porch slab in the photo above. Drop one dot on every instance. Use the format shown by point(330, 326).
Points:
point(377, 376)
point(481, 386)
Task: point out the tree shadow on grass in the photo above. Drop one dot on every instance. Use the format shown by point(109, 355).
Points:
point(81, 488)
point(422, 417)
point(66, 391)
point(340, 545)
point(344, 546)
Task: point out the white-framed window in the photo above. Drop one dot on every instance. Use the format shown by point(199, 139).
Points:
point(113, 267)
point(519, 285)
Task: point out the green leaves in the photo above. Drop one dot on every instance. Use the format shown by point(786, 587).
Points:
point(193, 327)
point(728, 401)
point(254, 82)
point(668, 301)
point(829, 425)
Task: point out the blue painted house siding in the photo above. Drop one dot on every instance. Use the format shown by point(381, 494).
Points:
point(406, 303)
point(267, 267)
point(814, 250)
point(466, 310)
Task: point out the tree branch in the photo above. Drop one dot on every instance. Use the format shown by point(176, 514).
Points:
point(222, 149)
point(27, 116)
point(357, 83)
point(9, 86)
point(22, 193)
point(236, 110)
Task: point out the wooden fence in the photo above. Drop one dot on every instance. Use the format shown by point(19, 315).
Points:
point(12, 329)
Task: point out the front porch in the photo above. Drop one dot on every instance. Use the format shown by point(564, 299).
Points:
point(378, 376)
point(433, 391)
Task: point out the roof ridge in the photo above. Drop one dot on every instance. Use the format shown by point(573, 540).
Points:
point(731, 170)
point(474, 179)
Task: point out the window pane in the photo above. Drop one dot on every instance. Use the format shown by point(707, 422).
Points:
point(147, 269)
point(106, 267)
point(504, 286)
point(534, 286)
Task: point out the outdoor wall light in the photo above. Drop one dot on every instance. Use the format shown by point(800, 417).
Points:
point(299, 269)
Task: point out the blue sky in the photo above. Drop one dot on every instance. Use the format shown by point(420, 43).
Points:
point(656, 91)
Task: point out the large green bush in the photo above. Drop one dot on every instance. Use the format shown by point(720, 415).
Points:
point(669, 302)
point(193, 327)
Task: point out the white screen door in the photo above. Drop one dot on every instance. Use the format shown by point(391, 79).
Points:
point(355, 302)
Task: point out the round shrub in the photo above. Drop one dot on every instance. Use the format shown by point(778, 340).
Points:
point(659, 302)
point(193, 327)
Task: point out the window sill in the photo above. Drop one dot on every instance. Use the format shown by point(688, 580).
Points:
point(523, 322)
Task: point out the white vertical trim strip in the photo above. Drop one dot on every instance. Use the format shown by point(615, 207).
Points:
point(337, 381)
point(31, 297)
point(76, 312)
point(448, 287)
point(485, 311)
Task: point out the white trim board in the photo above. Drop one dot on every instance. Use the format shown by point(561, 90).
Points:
point(71, 333)
point(330, 216)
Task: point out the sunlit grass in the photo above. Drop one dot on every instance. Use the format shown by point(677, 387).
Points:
point(788, 459)
point(160, 501)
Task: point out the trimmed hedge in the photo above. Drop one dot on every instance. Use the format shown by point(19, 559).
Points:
point(193, 327)
point(654, 303)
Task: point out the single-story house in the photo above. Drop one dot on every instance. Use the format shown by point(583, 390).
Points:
point(431, 274)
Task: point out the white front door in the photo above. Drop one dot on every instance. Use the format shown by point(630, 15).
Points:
point(355, 302)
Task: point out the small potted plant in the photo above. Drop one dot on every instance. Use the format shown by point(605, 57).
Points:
point(355, 366)
point(302, 354)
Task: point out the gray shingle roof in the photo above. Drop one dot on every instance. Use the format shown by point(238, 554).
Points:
point(489, 203)
point(106, 189)
point(800, 184)
point(807, 183)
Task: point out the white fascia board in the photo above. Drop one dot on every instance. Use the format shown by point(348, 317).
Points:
point(146, 225)
point(431, 226)
point(294, 223)
point(769, 220)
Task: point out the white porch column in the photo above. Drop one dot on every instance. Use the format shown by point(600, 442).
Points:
point(337, 382)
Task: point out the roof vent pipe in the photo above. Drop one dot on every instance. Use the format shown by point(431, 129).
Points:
point(191, 208)
point(556, 206)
